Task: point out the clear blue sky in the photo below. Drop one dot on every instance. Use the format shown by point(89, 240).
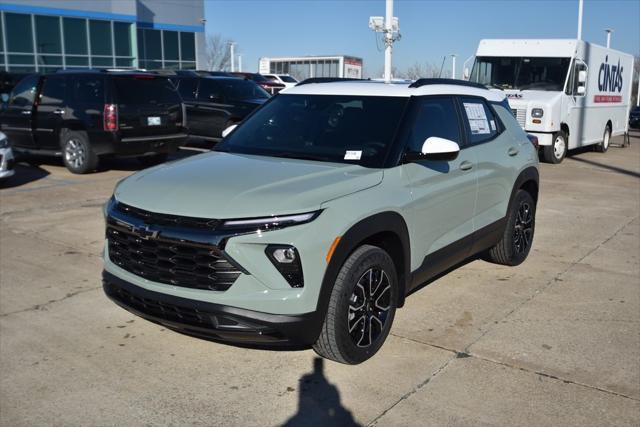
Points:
point(430, 28)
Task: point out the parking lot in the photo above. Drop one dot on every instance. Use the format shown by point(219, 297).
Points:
point(554, 341)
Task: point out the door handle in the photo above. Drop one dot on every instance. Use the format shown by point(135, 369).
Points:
point(59, 111)
point(26, 112)
point(512, 151)
point(465, 166)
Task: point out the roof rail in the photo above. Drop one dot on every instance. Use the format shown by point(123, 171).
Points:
point(330, 80)
point(434, 81)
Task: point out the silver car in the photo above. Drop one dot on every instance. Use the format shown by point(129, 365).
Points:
point(6, 158)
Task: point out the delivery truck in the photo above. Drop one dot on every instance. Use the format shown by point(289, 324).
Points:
point(568, 93)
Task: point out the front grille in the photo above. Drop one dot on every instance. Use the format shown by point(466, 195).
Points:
point(160, 310)
point(168, 261)
point(521, 116)
point(166, 219)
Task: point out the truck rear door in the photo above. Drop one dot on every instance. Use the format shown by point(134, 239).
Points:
point(148, 106)
point(17, 119)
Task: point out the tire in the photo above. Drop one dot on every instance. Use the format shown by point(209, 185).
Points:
point(153, 160)
point(557, 151)
point(77, 154)
point(606, 139)
point(515, 244)
point(348, 339)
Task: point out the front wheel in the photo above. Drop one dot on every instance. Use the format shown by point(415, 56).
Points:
point(515, 244)
point(557, 151)
point(361, 307)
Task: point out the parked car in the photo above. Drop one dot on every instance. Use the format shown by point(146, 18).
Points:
point(317, 215)
point(6, 158)
point(285, 79)
point(215, 103)
point(83, 115)
point(634, 118)
point(266, 84)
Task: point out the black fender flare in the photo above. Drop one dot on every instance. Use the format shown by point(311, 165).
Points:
point(381, 222)
point(528, 174)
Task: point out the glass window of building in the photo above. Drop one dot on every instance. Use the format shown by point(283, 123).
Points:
point(75, 36)
point(170, 40)
point(17, 26)
point(100, 36)
point(48, 38)
point(122, 38)
point(188, 46)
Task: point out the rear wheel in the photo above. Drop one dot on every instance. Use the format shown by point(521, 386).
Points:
point(606, 137)
point(516, 241)
point(557, 151)
point(361, 308)
point(77, 154)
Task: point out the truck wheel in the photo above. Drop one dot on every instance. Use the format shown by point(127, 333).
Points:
point(556, 152)
point(516, 241)
point(152, 160)
point(606, 137)
point(77, 154)
point(361, 308)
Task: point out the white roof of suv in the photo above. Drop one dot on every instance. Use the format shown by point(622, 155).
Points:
point(400, 89)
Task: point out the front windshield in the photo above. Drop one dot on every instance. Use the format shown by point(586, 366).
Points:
point(240, 90)
point(521, 72)
point(330, 128)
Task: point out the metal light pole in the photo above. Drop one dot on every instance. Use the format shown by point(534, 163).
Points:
point(239, 62)
point(609, 31)
point(233, 64)
point(580, 19)
point(388, 40)
point(453, 65)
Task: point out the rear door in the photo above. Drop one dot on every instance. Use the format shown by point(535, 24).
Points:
point(17, 119)
point(212, 112)
point(148, 106)
point(50, 111)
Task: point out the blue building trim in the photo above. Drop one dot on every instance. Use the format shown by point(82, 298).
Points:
point(171, 27)
point(66, 12)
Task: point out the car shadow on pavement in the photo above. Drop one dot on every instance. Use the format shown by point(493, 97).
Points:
point(24, 174)
point(608, 167)
point(319, 401)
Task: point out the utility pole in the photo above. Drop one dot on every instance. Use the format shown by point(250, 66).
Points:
point(239, 62)
point(233, 65)
point(453, 65)
point(609, 31)
point(580, 19)
point(388, 26)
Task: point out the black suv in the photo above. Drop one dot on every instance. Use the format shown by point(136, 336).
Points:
point(215, 103)
point(82, 115)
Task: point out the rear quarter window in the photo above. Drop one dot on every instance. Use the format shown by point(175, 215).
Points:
point(481, 123)
point(145, 90)
point(87, 89)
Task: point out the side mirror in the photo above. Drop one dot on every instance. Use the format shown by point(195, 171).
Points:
point(581, 90)
point(228, 130)
point(582, 76)
point(435, 148)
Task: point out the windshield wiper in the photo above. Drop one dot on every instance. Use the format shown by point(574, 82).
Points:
point(301, 156)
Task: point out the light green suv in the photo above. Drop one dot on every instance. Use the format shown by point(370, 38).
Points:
point(315, 217)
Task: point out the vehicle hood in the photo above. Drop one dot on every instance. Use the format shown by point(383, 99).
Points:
point(222, 185)
point(533, 98)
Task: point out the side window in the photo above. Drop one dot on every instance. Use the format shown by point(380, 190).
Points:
point(24, 93)
point(434, 117)
point(88, 90)
point(209, 91)
point(481, 123)
point(579, 78)
point(187, 88)
point(53, 91)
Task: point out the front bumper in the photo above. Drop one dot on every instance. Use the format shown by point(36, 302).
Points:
point(212, 321)
point(543, 138)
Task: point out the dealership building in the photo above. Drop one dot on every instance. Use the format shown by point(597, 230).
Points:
point(303, 67)
point(46, 35)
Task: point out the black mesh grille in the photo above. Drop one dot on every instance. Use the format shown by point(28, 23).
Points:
point(166, 219)
point(170, 261)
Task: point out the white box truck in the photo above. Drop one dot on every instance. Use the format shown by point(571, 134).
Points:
point(568, 93)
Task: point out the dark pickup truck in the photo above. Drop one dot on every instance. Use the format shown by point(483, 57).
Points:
point(83, 115)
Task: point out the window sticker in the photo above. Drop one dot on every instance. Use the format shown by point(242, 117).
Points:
point(493, 125)
point(477, 118)
point(353, 155)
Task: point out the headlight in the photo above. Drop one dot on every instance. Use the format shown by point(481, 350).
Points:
point(270, 223)
point(537, 113)
point(4, 142)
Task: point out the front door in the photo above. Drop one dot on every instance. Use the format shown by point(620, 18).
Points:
point(17, 119)
point(443, 192)
point(211, 113)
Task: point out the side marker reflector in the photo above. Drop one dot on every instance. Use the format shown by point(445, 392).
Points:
point(333, 247)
